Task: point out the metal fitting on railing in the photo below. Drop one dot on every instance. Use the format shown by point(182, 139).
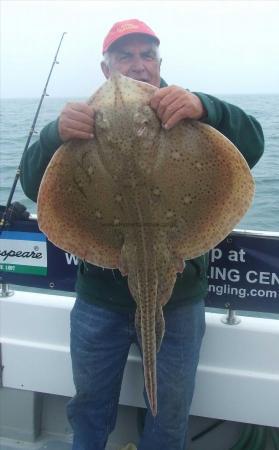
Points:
point(231, 318)
point(5, 291)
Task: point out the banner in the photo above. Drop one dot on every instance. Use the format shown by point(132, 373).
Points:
point(243, 271)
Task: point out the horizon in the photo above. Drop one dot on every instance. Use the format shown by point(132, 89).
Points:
point(215, 94)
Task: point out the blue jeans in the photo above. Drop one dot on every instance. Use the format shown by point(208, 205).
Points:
point(100, 342)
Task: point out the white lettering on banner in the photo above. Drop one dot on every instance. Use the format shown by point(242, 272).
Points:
point(242, 292)
point(235, 255)
point(216, 272)
point(270, 278)
point(222, 273)
point(252, 276)
point(215, 254)
point(227, 289)
point(71, 259)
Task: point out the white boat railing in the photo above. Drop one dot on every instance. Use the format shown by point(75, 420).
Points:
point(238, 372)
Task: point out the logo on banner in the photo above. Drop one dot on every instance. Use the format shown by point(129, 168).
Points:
point(24, 253)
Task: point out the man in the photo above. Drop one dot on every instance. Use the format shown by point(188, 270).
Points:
point(102, 320)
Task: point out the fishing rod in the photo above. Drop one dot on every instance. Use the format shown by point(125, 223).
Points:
point(4, 219)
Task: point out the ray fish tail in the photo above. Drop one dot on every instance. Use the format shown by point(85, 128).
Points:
point(145, 322)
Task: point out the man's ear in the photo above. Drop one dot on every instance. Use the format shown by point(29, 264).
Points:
point(105, 69)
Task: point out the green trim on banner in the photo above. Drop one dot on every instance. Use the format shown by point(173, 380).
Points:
point(17, 268)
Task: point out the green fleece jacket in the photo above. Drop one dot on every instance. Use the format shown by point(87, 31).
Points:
point(108, 288)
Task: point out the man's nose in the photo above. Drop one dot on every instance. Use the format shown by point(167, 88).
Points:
point(137, 64)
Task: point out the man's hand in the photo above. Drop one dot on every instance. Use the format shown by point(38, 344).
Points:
point(173, 104)
point(76, 121)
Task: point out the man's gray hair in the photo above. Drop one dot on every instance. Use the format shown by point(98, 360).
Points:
point(107, 55)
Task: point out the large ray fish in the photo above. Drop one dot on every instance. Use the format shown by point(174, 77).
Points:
point(143, 199)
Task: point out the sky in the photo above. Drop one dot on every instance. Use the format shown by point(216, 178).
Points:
point(225, 47)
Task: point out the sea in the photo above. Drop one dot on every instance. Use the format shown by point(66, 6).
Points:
point(16, 117)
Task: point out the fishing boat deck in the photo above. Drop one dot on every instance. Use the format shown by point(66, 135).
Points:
point(221, 437)
point(42, 444)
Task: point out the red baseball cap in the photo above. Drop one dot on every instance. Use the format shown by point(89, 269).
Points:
point(126, 27)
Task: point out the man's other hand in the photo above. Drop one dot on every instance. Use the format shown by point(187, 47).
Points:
point(76, 121)
point(173, 104)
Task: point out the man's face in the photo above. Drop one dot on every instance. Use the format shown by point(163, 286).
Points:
point(135, 57)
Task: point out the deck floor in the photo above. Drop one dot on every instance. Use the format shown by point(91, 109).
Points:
point(221, 438)
point(44, 444)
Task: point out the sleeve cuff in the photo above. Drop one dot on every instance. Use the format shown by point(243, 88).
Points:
point(50, 138)
point(209, 106)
